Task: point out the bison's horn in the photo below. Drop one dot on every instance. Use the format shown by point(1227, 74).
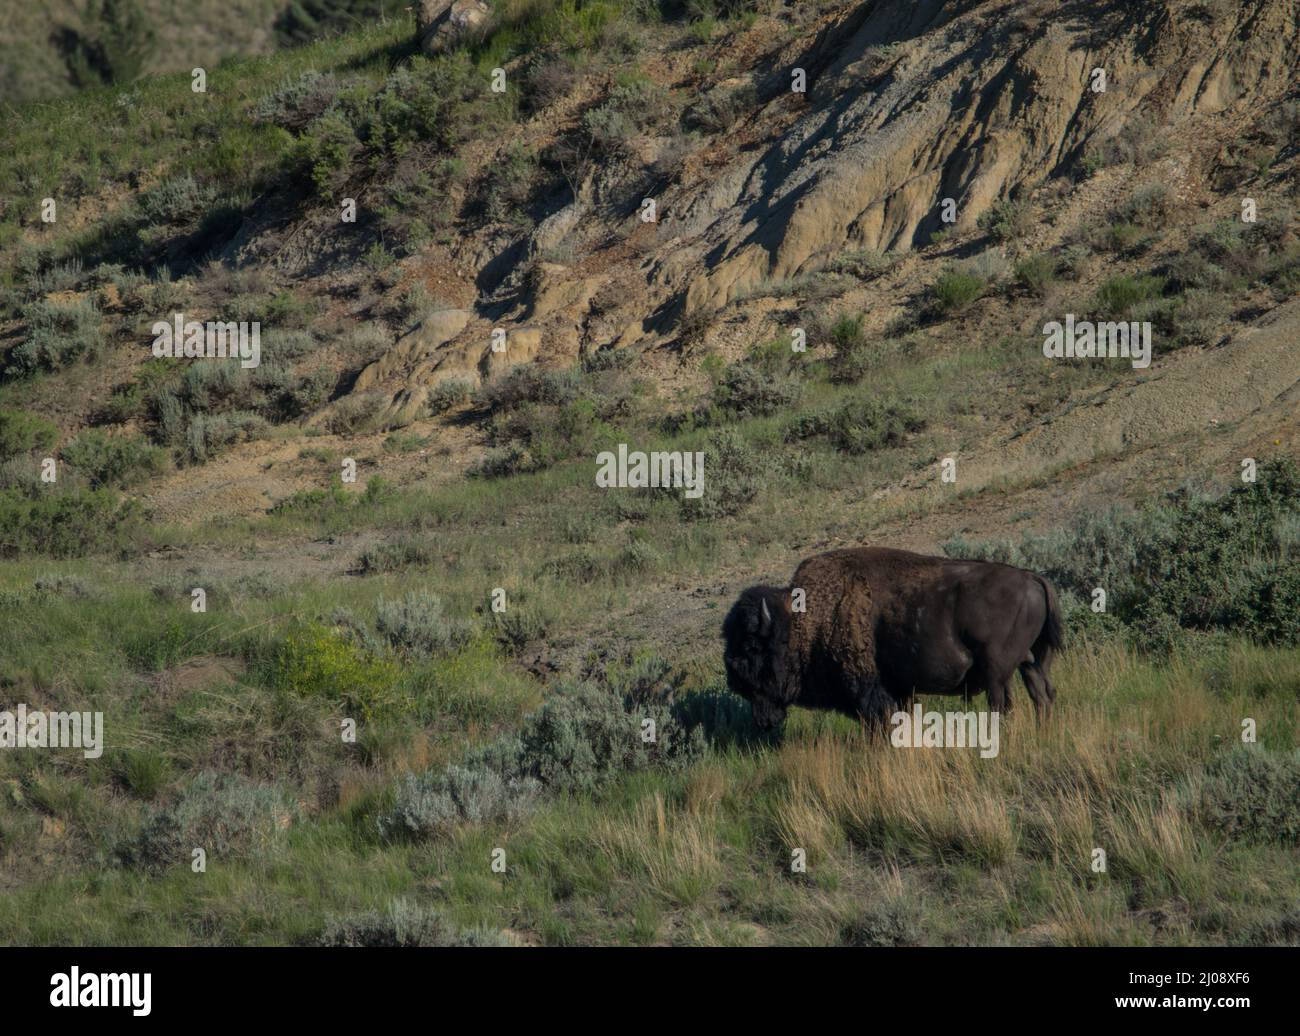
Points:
point(767, 615)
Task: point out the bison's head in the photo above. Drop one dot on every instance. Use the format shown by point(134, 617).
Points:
point(756, 633)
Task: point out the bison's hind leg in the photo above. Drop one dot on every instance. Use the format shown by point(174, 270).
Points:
point(1039, 687)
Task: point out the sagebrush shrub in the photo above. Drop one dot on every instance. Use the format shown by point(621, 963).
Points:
point(430, 804)
point(227, 816)
point(59, 333)
point(858, 426)
point(449, 394)
point(175, 201)
point(112, 461)
point(419, 625)
point(882, 924)
point(746, 390)
point(585, 736)
point(1005, 220)
point(735, 472)
point(403, 924)
point(1253, 795)
point(529, 383)
point(394, 557)
point(1190, 561)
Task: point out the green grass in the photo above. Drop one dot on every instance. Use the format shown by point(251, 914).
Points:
point(701, 857)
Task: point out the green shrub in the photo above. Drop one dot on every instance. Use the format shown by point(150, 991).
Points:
point(734, 473)
point(21, 432)
point(142, 771)
point(1005, 220)
point(858, 426)
point(1253, 795)
point(956, 289)
point(113, 46)
point(1118, 295)
point(303, 21)
point(316, 662)
point(113, 461)
point(63, 524)
point(519, 626)
point(228, 817)
point(1035, 273)
point(850, 357)
point(1188, 562)
point(1124, 239)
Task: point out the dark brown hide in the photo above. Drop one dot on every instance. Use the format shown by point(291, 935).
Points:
point(881, 625)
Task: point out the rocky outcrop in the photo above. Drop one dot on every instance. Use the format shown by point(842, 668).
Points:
point(435, 331)
point(907, 104)
point(439, 24)
point(918, 105)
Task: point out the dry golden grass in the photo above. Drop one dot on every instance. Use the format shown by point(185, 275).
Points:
point(673, 851)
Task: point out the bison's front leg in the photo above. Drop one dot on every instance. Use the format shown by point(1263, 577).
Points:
point(874, 703)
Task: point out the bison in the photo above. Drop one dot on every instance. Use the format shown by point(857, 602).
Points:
point(863, 630)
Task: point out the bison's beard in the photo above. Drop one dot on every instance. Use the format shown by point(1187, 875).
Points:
point(768, 715)
point(751, 683)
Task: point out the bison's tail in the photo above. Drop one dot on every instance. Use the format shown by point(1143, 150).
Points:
point(1052, 637)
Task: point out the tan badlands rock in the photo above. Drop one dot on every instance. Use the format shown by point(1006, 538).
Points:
point(908, 104)
point(968, 108)
point(522, 345)
point(434, 331)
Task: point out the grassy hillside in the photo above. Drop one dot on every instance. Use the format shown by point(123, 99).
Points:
point(329, 603)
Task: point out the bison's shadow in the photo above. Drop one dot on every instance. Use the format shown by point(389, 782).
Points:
point(726, 719)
